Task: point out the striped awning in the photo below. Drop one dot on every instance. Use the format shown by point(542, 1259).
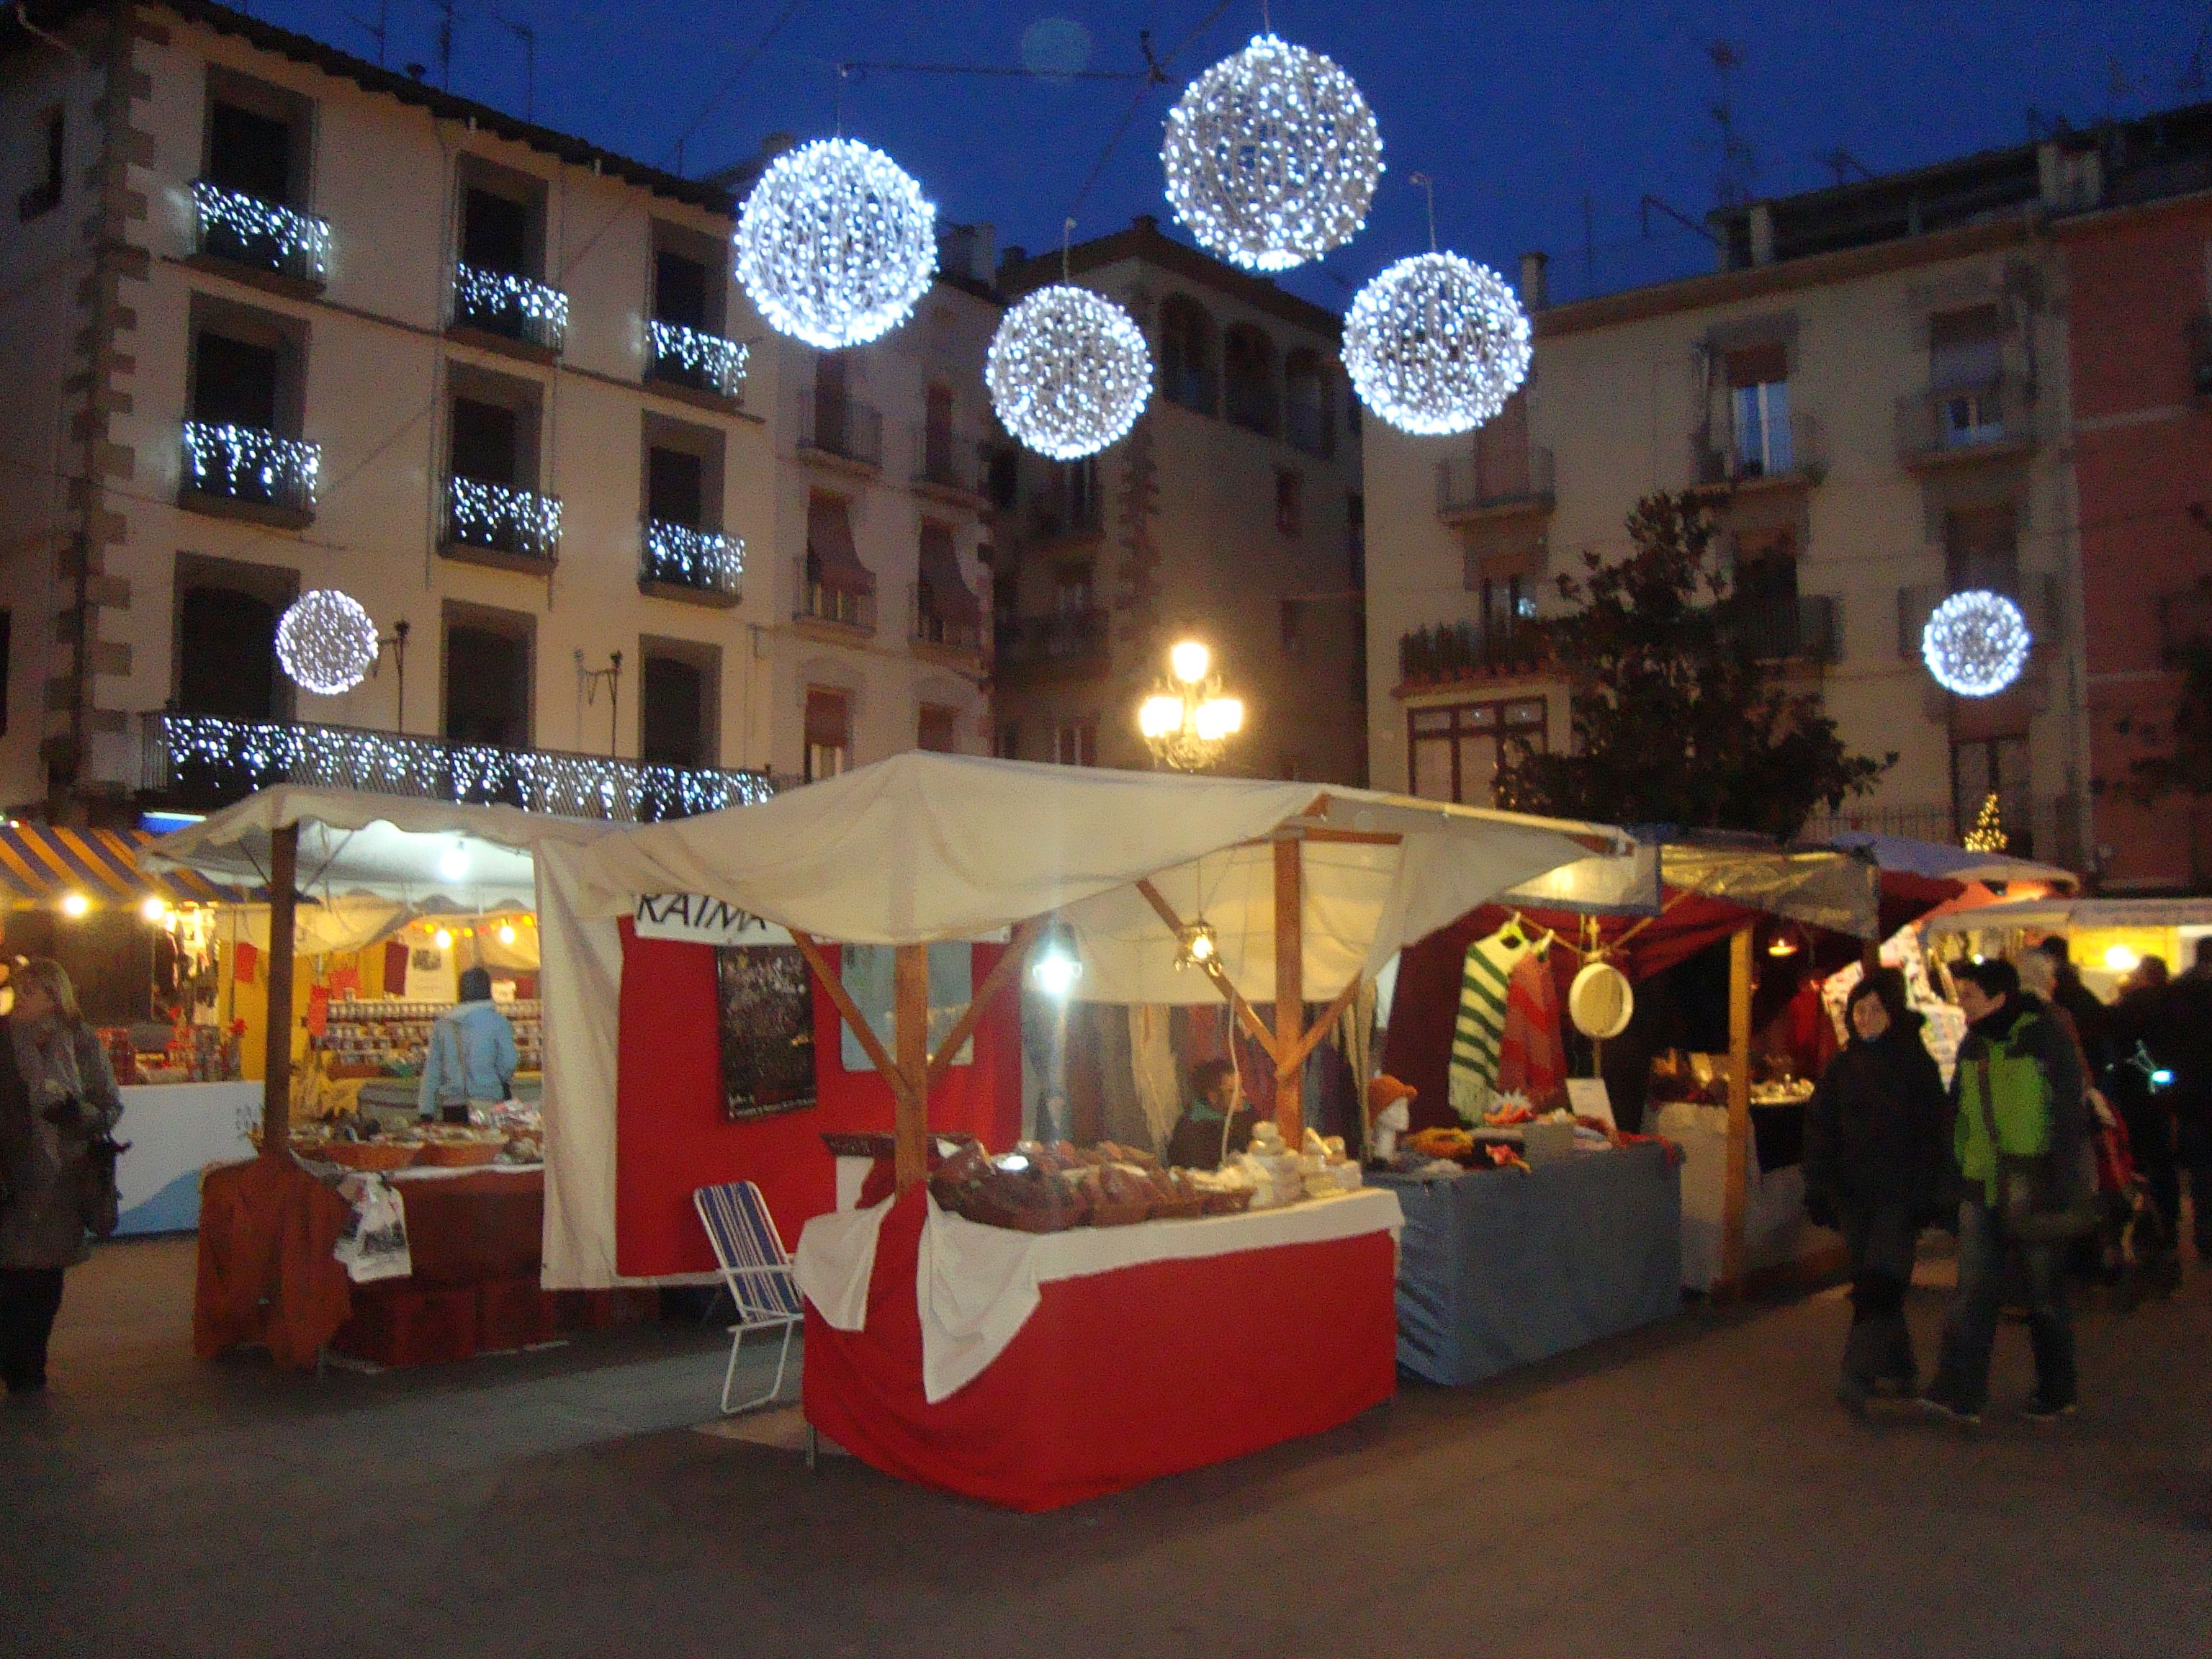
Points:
point(40, 865)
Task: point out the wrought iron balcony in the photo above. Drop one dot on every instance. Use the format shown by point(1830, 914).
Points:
point(248, 467)
point(501, 519)
point(704, 561)
point(1484, 484)
point(514, 307)
point(842, 426)
point(929, 625)
point(1063, 638)
point(1786, 627)
point(833, 602)
point(944, 465)
point(705, 362)
point(1947, 425)
point(1469, 650)
point(246, 230)
point(1787, 449)
point(202, 760)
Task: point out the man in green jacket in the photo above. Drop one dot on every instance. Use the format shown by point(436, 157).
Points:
point(2019, 1069)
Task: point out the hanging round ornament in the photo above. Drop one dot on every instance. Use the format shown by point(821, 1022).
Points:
point(1272, 156)
point(1435, 345)
point(835, 244)
point(1976, 643)
point(327, 643)
point(1069, 372)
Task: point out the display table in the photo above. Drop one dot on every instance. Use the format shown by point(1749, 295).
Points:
point(175, 1131)
point(1146, 1350)
point(1497, 1268)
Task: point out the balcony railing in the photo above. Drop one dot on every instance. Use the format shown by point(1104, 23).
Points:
point(1520, 476)
point(502, 518)
point(1469, 650)
point(1786, 628)
point(679, 555)
point(941, 460)
point(841, 427)
point(1958, 422)
point(705, 362)
point(247, 464)
point(202, 759)
point(1914, 822)
point(1789, 446)
point(247, 231)
point(1064, 637)
point(833, 602)
point(928, 625)
point(500, 302)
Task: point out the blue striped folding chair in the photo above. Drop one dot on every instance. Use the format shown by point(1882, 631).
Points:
point(757, 1271)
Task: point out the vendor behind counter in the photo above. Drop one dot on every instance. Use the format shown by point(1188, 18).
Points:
point(1197, 1141)
point(471, 1057)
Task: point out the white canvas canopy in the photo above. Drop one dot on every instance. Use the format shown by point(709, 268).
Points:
point(1941, 860)
point(2062, 914)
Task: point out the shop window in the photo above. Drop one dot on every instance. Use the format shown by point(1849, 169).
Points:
point(676, 704)
point(1456, 750)
point(1075, 743)
point(487, 672)
point(45, 191)
point(936, 728)
point(828, 732)
point(1290, 502)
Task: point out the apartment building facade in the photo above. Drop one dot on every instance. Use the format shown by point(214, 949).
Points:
point(285, 321)
point(1229, 513)
point(1873, 392)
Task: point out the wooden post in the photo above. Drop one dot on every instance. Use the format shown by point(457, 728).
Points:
point(276, 1066)
point(910, 1084)
point(1289, 986)
point(1739, 1096)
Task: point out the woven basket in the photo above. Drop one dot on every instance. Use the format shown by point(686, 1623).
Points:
point(373, 1156)
point(457, 1154)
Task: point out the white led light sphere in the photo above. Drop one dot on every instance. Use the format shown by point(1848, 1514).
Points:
point(1069, 372)
point(326, 641)
point(835, 244)
point(1272, 156)
point(1976, 643)
point(1435, 345)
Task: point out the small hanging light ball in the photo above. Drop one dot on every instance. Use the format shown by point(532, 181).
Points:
point(1976, 643)
point(1069, 372)
point(835, 244)
point(327, 643)
point(1272, 156)
point(1435, 345)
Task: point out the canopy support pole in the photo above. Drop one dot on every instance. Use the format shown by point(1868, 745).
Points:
point(910, 1082)
point(1734, 1194)
point(1289, 986)
point(277, 1065)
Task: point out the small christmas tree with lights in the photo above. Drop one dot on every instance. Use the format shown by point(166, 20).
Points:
point(1988, 834)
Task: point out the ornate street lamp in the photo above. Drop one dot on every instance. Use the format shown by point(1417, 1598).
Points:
point(1186, 721)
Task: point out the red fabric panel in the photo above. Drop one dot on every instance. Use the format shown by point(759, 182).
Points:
point(1117, 1377)
point(265, 1272)
point(464, 1230)
point(670, 1136)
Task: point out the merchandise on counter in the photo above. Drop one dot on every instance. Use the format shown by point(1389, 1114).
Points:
point(388, 1037)
point(1532, 1058)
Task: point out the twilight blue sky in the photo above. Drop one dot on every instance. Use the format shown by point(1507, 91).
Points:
point(1520, 109)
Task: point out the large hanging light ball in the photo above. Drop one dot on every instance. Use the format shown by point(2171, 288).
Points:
point(1272, 156)
point(1069, 372)
point(1435, 345)
point(327, 643)
point(835, 244)
point(1976, 643)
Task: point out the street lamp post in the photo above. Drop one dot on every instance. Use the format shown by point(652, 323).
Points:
point(1186, 721)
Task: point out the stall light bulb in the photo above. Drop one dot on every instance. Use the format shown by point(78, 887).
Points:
point(2161, 1078)
point(507, 933)
point(1056, 973)
point(1781, 945)
point(442, 939)
point(155, 911)
point(1158, 716)
point(1219, 718)
point(1190, 660)
point(2121, 960)
point(75, 904)
point(453, 863)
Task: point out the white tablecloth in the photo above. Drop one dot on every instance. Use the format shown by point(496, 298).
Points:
point(175, 1131)
point(977, 1285)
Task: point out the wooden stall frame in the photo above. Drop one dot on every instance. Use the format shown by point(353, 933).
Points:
point(277, 1074)
point(1734, 1195)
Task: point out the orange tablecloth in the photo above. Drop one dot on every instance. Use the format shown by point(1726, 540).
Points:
point(266, 1275)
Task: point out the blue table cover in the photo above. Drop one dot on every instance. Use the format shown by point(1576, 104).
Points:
point(1497, 1268)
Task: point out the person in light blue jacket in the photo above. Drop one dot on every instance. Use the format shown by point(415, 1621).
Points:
point(471, 1056)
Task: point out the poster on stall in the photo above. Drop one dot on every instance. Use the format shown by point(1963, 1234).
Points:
point(766, 1005)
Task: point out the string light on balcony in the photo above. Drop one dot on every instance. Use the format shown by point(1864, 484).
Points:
point(223, 460)
point(719, 362)
point(489, 292)
point(299, 239)
point(1272, 156)
point(1435, 345)
point(835, 244)
point(483, 511)
point(327, 643)
point(1976, 643)
point(694, 558)
point(1068, 371)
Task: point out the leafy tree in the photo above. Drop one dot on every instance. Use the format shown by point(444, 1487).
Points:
point(1676, 719)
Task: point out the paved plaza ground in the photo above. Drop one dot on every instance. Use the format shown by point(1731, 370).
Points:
point(1690, 1489)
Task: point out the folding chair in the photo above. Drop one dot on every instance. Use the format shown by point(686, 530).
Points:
point(757, 1271)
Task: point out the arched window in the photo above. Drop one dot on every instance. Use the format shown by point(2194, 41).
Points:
point(1249, 379)
point(1187, 375)
point(1309, 410)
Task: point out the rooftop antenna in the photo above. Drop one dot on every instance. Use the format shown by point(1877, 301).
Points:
point(527, 34)
point(379, 31)
point(1734, 186)
point(445, 9)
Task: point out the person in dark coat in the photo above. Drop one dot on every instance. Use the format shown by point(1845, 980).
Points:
point(2187, 1020)
point(1876, 1138)
point(1212, 1124)
point(2093, 1020)
point(2139, 1084)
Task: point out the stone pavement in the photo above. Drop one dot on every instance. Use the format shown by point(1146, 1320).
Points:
point(1689, 1490)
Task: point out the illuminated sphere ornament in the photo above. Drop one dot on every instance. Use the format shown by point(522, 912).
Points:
point(835, 244)
point(1435, 345)
point(326, 641)
point(1069, 372)
point(1976, 643)
point(1272, 156)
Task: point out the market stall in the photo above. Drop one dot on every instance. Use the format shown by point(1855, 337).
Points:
point(1163, 1335)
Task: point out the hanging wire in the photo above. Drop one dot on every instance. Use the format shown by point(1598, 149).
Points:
point(675, 152)
point(1428, 185)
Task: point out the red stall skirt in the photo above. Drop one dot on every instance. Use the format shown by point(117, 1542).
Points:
point(1117, 1377)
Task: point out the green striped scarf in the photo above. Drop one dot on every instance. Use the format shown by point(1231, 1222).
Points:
point(1481, 1024)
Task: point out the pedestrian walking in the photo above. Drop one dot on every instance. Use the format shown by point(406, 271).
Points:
point(2185, 1022)
point(1876, 1169)
point(2140, 1084)
point(58, 1100)
point(2093, 1020)
point(2018, 1092)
